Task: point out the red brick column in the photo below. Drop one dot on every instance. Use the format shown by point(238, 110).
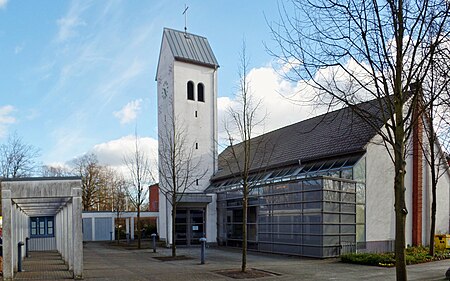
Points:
point(417, 182)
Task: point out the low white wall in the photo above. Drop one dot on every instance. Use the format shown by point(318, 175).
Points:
point(42, 244)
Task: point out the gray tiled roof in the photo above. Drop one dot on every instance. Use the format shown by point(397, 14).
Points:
point(337, 133)
point(190, 48)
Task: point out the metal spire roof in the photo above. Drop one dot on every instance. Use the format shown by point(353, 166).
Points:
point(190, 48)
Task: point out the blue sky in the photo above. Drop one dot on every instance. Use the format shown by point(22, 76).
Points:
point(79, 76)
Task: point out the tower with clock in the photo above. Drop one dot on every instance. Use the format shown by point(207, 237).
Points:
point(187, 118)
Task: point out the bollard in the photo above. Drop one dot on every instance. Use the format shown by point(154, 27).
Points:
point(154, 242)
point(110, 236)
point(202, 256)
point(26, 247)
point(19, 256)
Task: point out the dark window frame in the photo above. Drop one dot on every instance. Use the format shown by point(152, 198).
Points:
point(200, 92)
point(190, 90)
point(48, 229)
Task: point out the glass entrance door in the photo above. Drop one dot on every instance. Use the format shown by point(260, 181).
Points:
point(190, 226)
point(197, 226)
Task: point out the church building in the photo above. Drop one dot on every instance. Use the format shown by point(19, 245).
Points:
point(327, 186)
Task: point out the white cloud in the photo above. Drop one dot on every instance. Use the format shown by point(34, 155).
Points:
point(3, 4)
point(280, 101)
point(112, 153)
point(18, 48)
point(285, 102)
point(68, 24)
point(129, 112)
point(5, 118)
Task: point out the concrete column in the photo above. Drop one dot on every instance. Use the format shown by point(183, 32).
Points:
point(15, 236)
point(22, 230)
point(58, 231)
point(127, 226)
point(93, 228)
point(77, 233)
point(8, 273)
point(63, 235)
point(113, 228)
point(66, 229)
point(70, 235)
point(132, 228)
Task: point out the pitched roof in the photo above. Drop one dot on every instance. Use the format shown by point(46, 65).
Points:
point(190, 48)
point(333, 134)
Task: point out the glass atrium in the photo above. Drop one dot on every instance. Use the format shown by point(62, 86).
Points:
point(314, 210)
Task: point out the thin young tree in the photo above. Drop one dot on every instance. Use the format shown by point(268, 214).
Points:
point(244, 152)
point(351, 51)
point(118, 196)
point(140, 177)
point(179, 168)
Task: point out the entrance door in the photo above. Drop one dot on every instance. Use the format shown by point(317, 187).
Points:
point(190, 226)
point(197, 226)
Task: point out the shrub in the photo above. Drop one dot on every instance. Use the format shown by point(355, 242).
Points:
point(414, 255)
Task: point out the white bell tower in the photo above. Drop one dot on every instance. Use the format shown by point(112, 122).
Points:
point(187, 93)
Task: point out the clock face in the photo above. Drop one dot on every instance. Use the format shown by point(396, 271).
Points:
point(165, 90)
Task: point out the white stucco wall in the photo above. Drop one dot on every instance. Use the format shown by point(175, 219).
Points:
point(165, 110)
point(380, 215)
point(379, 193)
point(201, 129)
point(443, 203)
point(211, 220)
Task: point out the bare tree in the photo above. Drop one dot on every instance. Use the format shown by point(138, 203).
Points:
point(91, 173)
point(17, 159)
point(381, 48)
point(179, 169)
point(55, 171)
point(118, 196)
point(140, 177)
point(246, 153)
point(435, 93)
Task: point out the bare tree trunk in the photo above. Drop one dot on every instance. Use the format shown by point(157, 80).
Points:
point(118, 235)
point(174, 213)
point(244, 228)
point(434, 181)
point(139, 226)
point(400, 213)
point(433, 222)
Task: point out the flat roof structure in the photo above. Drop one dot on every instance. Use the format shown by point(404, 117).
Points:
point(59, 198)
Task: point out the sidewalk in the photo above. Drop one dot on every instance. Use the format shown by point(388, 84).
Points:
point(115, 263)
point(103, 261)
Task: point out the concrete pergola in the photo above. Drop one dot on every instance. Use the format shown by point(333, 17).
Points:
point(35, 197)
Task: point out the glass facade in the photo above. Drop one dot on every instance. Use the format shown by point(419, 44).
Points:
point(311, 216)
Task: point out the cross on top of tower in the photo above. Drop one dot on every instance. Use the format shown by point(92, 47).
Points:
point(185, 17)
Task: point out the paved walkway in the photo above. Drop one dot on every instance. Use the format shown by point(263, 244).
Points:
point(43, 266)
point(110, 262)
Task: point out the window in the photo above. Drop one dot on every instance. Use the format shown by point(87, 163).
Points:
point(42, 227)
point(190, 90)
point(200, 92)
